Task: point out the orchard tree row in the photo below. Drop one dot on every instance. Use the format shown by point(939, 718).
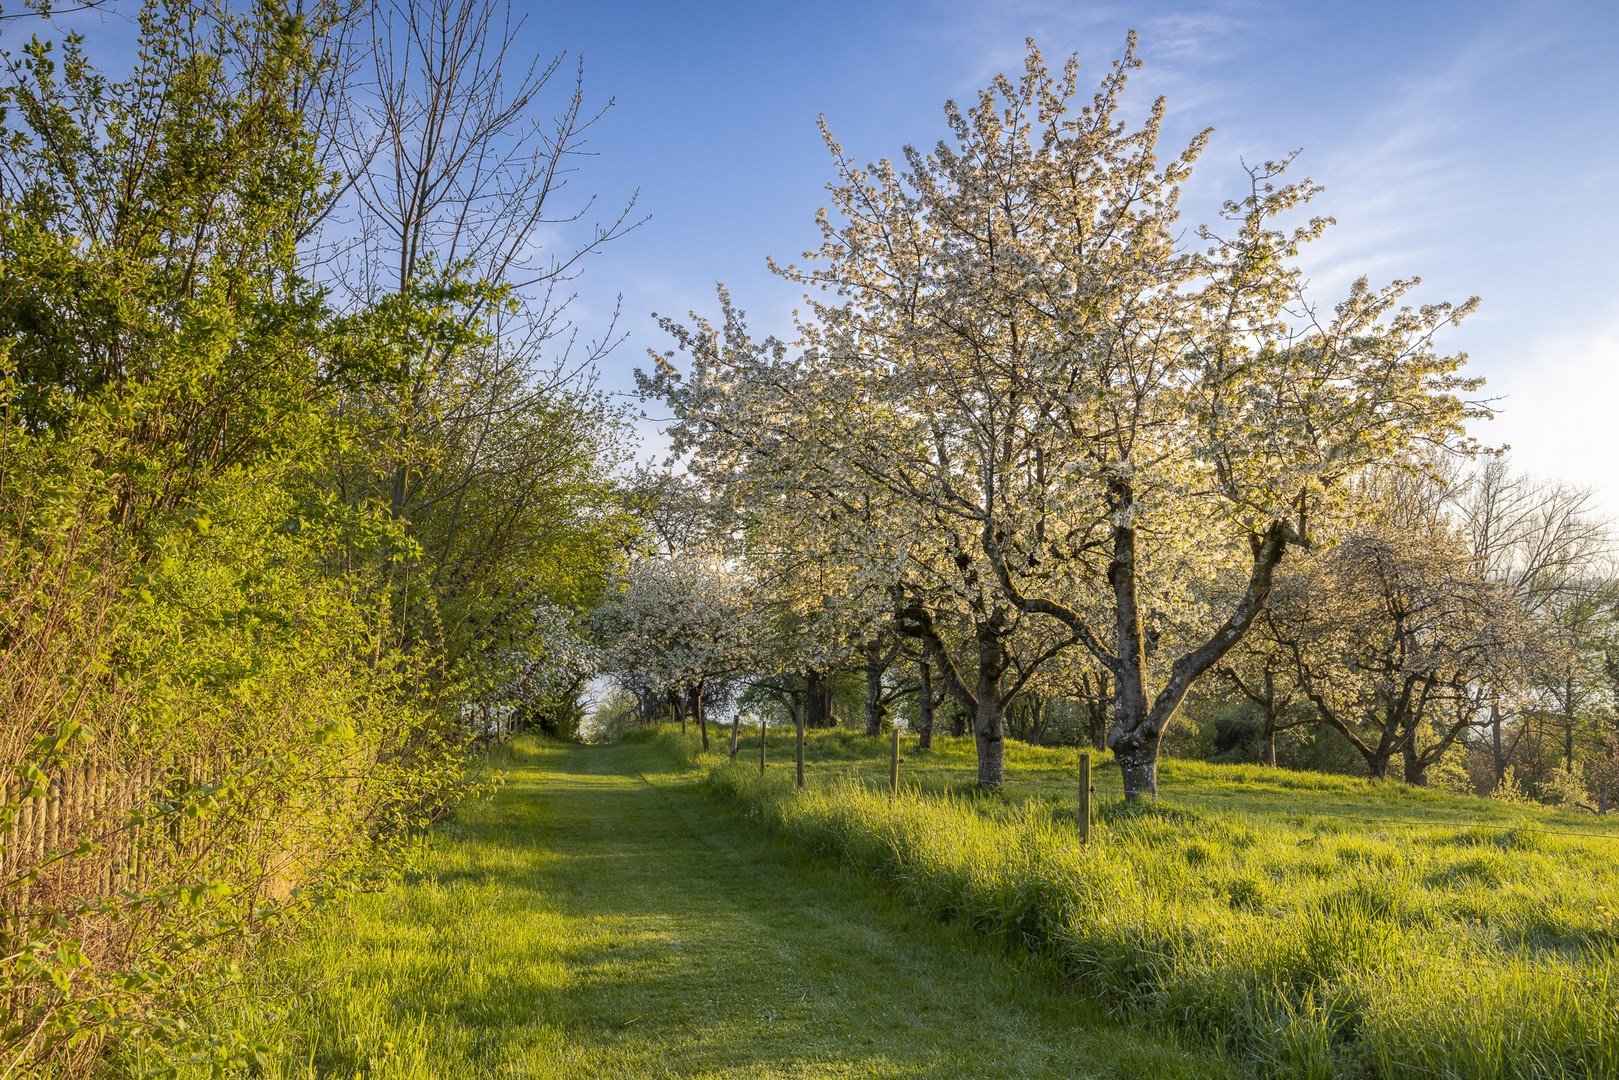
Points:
point(1041, 442)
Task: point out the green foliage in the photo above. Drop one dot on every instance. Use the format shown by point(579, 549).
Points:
point(212, 722)
point(1449, 773)
point(1565, 787)
point(1309, 944)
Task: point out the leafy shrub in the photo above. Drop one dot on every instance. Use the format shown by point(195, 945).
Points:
point(214, 718)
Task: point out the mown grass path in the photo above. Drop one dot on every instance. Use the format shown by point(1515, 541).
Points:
point(601, 918)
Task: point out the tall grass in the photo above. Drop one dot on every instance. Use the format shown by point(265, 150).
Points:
point(1311, 947)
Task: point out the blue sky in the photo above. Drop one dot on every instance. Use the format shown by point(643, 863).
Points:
point(1472, 143)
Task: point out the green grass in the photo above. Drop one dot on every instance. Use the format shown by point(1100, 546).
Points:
point(1254, 907)
point(1256, 793)
point(601, 918)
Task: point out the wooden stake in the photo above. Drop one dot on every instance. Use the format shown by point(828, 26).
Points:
point(53, 815)
point(1084, 797)
point(8, 840)
point(800, 718)
point(893, 765)
point(763, 727)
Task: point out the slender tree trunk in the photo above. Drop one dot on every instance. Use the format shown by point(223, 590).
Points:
point(1500, 761)
point(736, 731)
point(1097, 707)
point(702, 721)
point(1267, 745)
point(925, 721)
point(985, 704)
point(1568, 742)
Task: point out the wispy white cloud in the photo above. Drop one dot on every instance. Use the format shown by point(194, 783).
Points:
point(1558, 408)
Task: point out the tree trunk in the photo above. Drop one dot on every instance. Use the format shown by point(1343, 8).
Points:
point(874, 687)
point(1500, 761)
point(1134, 739)
point(1416, 770)
point(1267, 743)
point(989, 726)
point(736, 730)
point(1098, 709)
point(1568, 743)
point(925, 721)
point(815, 690)
point(1137, 755)
point(702, 721)
point(986, 706)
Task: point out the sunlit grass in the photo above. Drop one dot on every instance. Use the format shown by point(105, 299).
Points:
point(601, 918)
point(1251, 906)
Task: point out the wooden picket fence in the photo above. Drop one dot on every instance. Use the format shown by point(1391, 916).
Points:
point(104, 805)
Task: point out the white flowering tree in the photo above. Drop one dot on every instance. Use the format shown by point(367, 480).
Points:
point(1037, 393)
point(558, 659)
point(852, 557)
point(680, 622)
point(1400, 644)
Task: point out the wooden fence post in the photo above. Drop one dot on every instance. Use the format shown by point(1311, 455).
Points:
point(763, 727)
point(800, 747)
point(1084, 797)
point(893, 765)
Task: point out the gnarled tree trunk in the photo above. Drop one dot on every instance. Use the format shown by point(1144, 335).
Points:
point(1139, 719)
point(817, 693)
point(924, 725)
point(875, 668)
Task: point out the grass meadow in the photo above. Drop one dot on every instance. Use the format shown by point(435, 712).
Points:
point(1312, 926)
point(601, 918)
